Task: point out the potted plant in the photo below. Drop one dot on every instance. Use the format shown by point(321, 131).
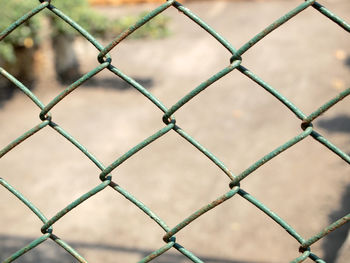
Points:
point(63, 35)
point(17, 50)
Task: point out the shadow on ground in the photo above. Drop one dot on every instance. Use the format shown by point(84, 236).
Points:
point(113, 83)
point(8, 89)
point(6, 93)
point(337, 124)
point(116, 83)
point(340, 123)
point(51, 252)
point(347, 61)
point(334, 240)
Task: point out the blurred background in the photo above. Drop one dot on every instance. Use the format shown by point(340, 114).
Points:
point(307, 60)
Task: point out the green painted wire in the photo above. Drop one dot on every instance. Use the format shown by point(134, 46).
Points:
point(68, 248)
point(22, 20)
point(158, 252)
point(336, 19)
point(235, 63)
point(340, 222)
point(27, 248)
point(276, 24)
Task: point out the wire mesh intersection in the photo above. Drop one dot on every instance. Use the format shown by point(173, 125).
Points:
point(170, 124)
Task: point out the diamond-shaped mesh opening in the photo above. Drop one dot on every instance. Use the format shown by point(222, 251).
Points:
point(171, 125)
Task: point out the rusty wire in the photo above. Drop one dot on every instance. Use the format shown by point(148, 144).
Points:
point(105, 60)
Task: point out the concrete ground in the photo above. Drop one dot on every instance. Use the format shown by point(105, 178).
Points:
point(306, 60)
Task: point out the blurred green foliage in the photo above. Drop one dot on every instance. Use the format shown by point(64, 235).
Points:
point(9, 12)
point(82, 13)
point(156, 28)
point(27, 35)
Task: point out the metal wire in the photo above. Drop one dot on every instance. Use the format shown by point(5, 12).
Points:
point(170, 125)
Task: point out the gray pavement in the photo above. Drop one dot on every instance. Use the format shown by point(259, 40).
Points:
point(307, 60)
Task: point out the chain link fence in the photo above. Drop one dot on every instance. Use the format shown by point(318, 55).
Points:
point(170, 125)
